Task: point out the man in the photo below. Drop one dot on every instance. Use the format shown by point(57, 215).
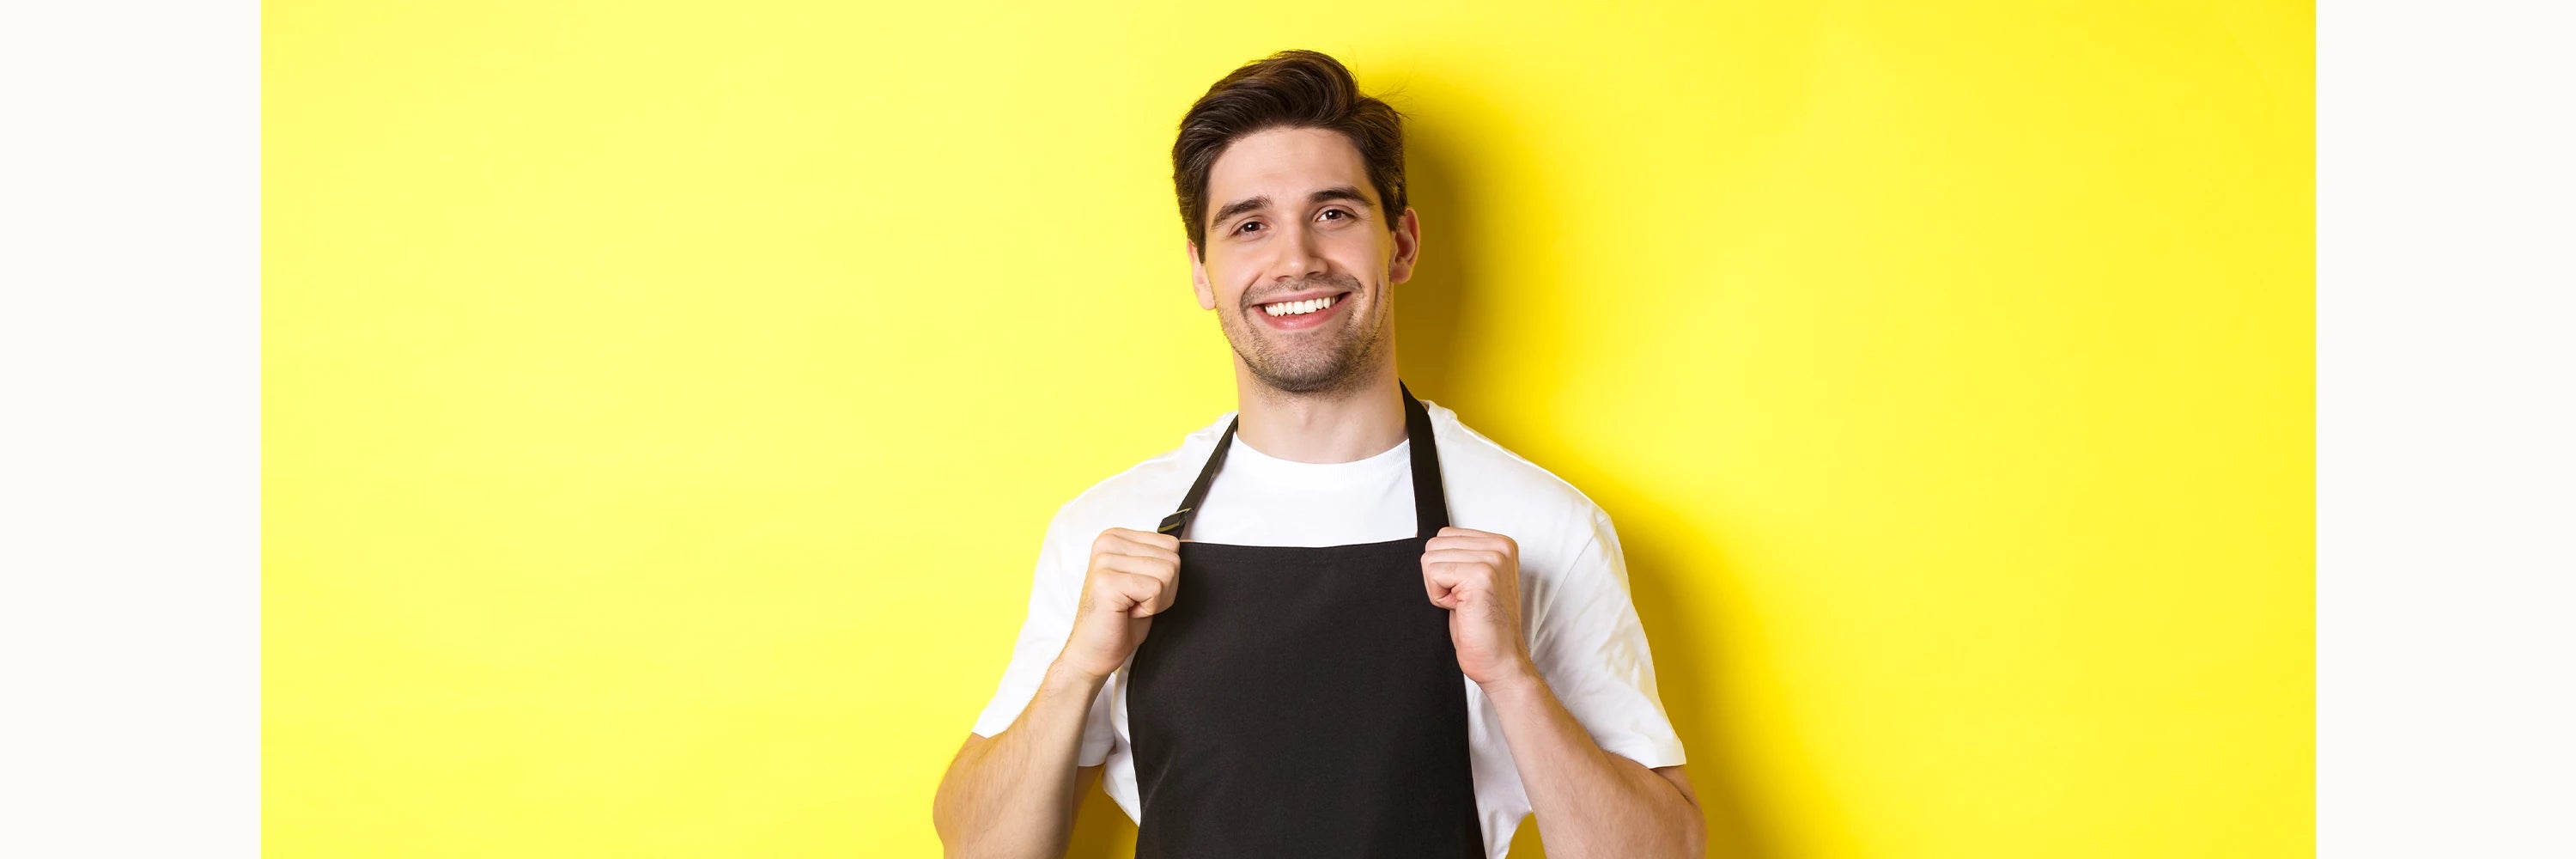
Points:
point(1335, 622)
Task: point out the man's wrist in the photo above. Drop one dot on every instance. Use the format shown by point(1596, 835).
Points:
point(1062, 676)
point(1522, 680)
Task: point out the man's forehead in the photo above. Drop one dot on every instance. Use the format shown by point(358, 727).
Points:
point(1286, 164)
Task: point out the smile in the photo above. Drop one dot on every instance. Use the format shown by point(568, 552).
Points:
point(1301, 308)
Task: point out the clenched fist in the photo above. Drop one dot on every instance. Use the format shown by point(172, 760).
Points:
point(1132, 577)
point(1476, 575)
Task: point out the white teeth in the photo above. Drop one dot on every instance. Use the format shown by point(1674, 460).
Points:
point(1299, 308)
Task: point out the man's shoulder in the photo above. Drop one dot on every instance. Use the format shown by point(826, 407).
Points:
point(1142, 494)
point(1492, 488)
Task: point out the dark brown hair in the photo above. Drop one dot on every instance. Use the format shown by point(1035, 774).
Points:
point(1289, 89)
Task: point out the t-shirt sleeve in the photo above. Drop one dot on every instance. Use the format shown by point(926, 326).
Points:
point(1589, 645)
point(1056, 584)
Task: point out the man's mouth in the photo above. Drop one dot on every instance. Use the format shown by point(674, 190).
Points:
point(1303, 307)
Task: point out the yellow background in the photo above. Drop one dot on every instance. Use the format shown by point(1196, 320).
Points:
point(663, 403)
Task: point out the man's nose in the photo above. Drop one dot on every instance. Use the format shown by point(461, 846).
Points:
point(1297, 255)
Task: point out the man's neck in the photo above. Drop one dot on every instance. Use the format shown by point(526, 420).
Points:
point(1342, 426)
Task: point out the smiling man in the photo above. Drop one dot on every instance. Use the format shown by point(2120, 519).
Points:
point(1334, 622)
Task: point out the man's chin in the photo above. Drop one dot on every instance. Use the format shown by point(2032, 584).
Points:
point(1301, 385)
point(1305, 378)
point(1300, 364)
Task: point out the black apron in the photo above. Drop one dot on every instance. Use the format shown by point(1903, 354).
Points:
point(1304, 701)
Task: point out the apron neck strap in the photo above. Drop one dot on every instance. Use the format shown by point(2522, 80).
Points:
point(1430, 506)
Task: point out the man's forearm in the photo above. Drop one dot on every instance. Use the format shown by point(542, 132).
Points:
point(1013, 795)
point(1590, 803)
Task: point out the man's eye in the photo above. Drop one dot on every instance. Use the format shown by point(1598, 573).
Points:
point(1336, 214)
point(1246, 226)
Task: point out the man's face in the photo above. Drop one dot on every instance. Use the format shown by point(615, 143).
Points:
point(1299, 259)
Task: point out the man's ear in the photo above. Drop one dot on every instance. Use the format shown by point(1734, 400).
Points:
point(1198, 277)
point(1408, 247)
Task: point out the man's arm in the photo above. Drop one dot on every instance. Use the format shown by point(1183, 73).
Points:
point(1013, 794)
point(1590, 802)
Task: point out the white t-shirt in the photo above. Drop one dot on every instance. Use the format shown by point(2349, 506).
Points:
point(1581, 625)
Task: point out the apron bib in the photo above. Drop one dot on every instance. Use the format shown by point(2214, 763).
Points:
point(1303, 701)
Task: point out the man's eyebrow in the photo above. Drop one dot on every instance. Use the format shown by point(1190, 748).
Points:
point(1247, 204)
point(1344, 192)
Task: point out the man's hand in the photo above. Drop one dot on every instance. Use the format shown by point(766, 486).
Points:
point(1133, 576)
point(1476, 575)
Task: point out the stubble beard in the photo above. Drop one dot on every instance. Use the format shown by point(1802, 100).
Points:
point(1343, 358)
